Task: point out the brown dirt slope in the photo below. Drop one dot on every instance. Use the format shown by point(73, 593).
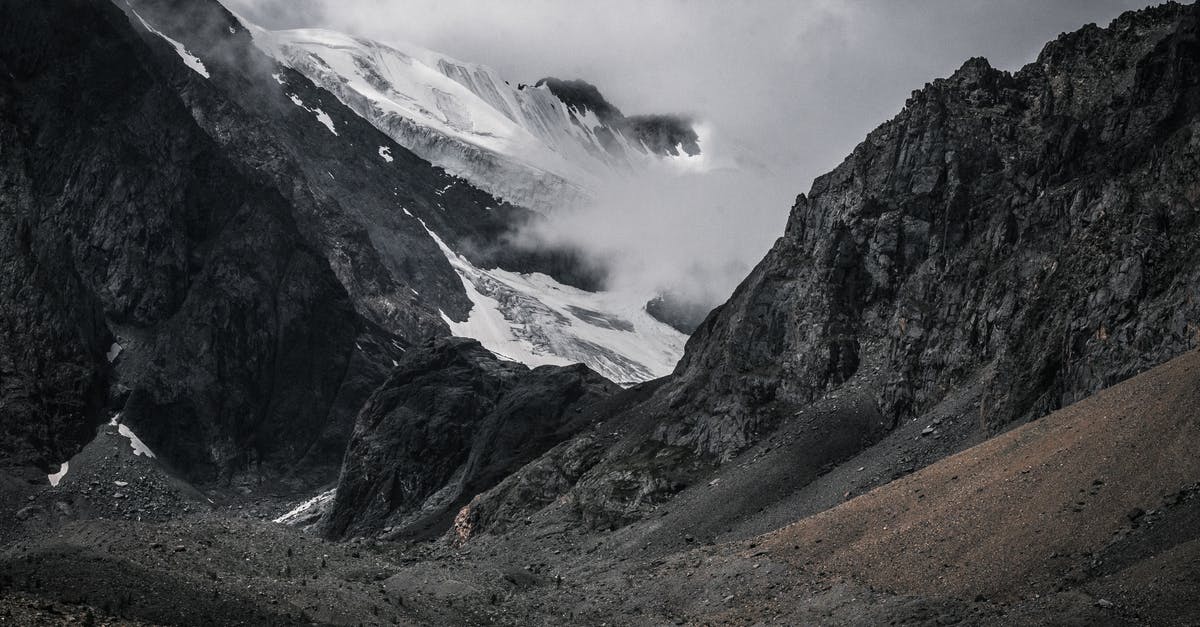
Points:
point(1101, 493)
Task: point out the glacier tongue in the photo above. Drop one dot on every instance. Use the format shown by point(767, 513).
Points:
point(533, 319)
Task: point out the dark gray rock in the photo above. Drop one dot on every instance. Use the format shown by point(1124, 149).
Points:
point(677, 311)
point(659, 134)
point(450, 422)
point(1036, 229)
point(258, 273)
point(1021, 239)
point(127, 217)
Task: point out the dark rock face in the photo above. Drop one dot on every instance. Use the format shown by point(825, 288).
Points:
point(1024, 239)
point(659, 134)
point(126, 216)
point(665, 134)
point(451, 421)
point(682, 314)
point(203, 254)
point(1038, 230)
point(582, 96)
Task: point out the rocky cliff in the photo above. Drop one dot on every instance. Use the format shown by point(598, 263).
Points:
point(450, 422)
point(1035, 231)
point(210, 245)
point(147, 271)
point(1008, 244)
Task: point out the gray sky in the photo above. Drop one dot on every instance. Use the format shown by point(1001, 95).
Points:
point(796, 83)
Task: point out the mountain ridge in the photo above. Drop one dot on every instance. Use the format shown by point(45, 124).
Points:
point(960, 387)
point(546, 146)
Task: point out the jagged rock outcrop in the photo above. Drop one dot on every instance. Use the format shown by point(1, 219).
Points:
point(658, 134)
point(451, 421)
point(1018, 240)
point(139, 247)
point(661, 134)
point(1039, 229)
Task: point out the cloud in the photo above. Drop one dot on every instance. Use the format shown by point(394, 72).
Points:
point(794, 83)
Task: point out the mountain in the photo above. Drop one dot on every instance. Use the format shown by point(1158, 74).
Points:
point(219, 250)
point(960, 388)
point(1008, 244)
point(450, 422)
point(542, 146)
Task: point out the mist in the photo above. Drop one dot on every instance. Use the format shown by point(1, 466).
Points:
point(783, 88)
point(694, 235)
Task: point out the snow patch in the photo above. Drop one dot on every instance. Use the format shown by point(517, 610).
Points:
point(62, 472)
point(113, 352)
point(386, 153)
point(322, 117)
point(189, 59)
point(304, 509)
point(139, 447)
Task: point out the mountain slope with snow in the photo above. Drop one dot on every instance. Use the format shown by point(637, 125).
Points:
point(540, 146)
point(537, 146)
point(533, 319)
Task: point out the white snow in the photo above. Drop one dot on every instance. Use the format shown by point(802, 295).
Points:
point(386, 153)
point(535, 320)
point(322, 117)
point(62, 472)
point(113, 352)
point(189, 59)
point(523, 145)
point(278, 79)
point(302, 510)
point(139, 447)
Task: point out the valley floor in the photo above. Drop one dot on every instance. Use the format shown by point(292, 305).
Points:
point(1088, 516)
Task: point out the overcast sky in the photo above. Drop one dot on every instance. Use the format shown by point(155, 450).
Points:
point(797, 83)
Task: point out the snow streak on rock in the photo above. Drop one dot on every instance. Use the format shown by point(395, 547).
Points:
point(533, 319)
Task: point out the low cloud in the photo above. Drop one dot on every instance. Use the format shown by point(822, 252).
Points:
point(695, 235)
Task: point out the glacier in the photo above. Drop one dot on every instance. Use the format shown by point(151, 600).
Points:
point(522, 144)
point(519, 143)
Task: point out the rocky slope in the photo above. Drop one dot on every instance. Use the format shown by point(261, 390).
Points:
point(868, 432)
point(1006, 245)
point(220, 250)
point(1094, 506)
point(451, 421)
point(148, 270)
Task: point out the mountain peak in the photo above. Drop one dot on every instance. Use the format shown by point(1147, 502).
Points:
point(581, 96)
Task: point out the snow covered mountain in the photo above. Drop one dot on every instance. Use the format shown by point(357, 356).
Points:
point(539, 146)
